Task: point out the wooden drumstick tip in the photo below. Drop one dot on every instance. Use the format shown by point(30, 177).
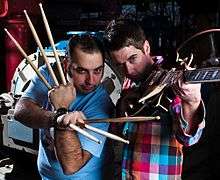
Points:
point(157, 117)
point(127, 142)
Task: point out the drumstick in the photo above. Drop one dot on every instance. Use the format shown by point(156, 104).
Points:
point(78, 129)
point(28, 60)
point(41, 48)
point(49, 34)
point(104, 133)
point(48, 85)
point(124, 119)
point(53, 75)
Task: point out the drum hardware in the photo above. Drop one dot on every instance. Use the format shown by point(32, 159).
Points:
point(18, 136)
point(22, 76)
point(6, 102)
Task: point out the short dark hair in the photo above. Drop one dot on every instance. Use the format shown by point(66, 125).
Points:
point(123, 32)
point(87, 43)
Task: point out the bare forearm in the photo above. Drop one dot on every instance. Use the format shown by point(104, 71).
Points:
point(69, 152)
point(192, 115)
point(31, 114)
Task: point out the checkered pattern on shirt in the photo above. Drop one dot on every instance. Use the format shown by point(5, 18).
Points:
point(154, 152)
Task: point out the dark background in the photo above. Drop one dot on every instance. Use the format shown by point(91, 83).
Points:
point(167, 23)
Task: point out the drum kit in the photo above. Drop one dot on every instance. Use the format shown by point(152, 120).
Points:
point(18, 136)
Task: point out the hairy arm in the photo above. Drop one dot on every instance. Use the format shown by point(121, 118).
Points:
point(29, 113)
point(67, 145)
point(69, 152)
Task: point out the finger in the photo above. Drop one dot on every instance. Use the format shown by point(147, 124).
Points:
point(69, 118)
point(51, 93)
point(177, 90)
point(81, 120)
point(56, 87)
point(180, 86)
point(68, 85)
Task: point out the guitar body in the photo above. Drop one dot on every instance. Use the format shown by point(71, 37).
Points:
point(129, 105)
point(153, 87)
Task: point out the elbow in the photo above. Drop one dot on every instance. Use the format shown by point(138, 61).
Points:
point(70, 167)
point(70, 170)
point(19, 111)
point(18, 115)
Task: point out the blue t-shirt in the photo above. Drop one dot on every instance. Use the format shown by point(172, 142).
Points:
point(96, 104)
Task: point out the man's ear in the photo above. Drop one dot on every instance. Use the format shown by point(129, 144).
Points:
point(65, 63)
point(146, 47)
point(66, 67)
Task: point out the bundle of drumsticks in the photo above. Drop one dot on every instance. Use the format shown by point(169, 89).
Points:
point(72, 126)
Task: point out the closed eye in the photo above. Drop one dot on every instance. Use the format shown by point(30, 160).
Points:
point(132, 58)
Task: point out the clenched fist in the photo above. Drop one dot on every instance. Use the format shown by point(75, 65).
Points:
point(61, 96)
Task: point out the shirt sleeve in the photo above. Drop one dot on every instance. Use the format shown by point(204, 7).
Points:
point(37, 90)
point(181, 125)
point(99, 106)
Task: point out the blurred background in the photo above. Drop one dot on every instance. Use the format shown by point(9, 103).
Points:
point(167, 24)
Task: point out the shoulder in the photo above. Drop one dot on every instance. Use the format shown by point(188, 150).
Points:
point(101, 91)
point(101, 95)
point(43, 68)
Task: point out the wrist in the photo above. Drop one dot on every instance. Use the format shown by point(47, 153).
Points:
point(57, 117)
point(192, 105)
point(56, 107)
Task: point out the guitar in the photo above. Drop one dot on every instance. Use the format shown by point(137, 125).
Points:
point(167, 78)
point(154, 87)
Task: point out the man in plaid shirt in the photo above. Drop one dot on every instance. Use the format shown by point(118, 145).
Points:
point(155, 149)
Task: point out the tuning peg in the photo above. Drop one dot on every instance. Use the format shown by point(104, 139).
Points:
point(190, 61)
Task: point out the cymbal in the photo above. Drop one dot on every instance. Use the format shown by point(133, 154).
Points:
point(205, 47)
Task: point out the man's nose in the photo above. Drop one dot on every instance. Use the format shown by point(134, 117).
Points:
point(128, 68)
point(90, 78)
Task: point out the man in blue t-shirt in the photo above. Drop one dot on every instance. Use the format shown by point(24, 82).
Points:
point(64, 153)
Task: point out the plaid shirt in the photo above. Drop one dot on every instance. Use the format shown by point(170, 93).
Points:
point(155, 149)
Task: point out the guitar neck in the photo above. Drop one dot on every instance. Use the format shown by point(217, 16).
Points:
point(202, 75)
point(162, 79)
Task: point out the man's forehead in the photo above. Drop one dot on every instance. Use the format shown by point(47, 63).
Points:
point(125, 53)
point(88, 60)
point(86, 67)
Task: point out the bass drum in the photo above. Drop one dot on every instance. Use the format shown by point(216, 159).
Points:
point(24, 73)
